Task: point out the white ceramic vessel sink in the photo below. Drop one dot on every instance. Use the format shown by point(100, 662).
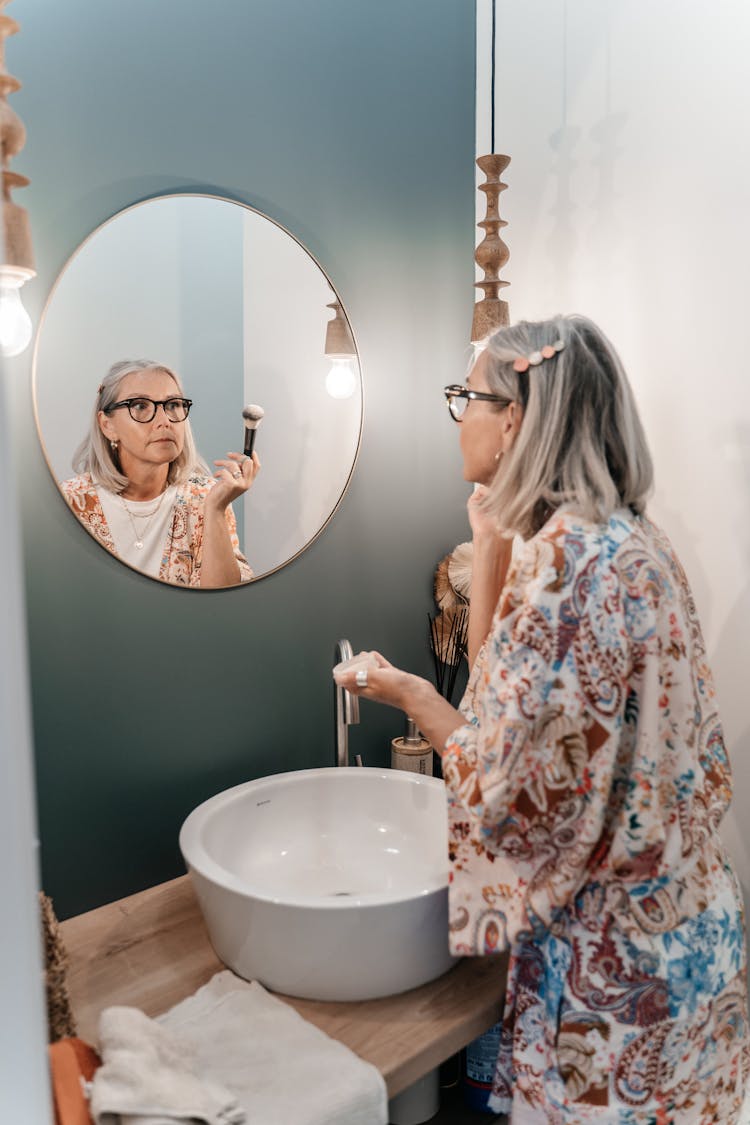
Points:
point(330, 884)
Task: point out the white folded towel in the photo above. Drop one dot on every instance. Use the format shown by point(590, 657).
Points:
point(282, 1069)
point(148, 1077)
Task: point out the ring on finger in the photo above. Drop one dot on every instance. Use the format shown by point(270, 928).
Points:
point(360, 677)
point(237, 475)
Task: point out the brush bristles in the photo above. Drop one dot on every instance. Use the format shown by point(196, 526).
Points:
point(252, 415)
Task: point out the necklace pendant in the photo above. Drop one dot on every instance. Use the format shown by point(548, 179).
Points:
point(138, 544)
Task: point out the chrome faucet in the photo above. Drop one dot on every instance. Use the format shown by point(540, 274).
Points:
point(345, 706)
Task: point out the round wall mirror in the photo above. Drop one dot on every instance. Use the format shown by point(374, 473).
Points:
point(236, 306)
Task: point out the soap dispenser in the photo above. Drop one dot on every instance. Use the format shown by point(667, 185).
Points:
point(412, 751)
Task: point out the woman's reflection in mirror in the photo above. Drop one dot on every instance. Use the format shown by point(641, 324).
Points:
point(143, 490)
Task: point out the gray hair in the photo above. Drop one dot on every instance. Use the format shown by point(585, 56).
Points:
point(95, 454)
point(581, 442)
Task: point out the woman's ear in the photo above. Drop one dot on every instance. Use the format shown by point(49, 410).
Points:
point(106, 426)
point(512, 417)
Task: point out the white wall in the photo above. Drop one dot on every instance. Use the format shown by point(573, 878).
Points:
point(627, 122)
point(24, 1087)
point(307, 442)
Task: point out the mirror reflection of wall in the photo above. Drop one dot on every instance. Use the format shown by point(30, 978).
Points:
point(235, 305)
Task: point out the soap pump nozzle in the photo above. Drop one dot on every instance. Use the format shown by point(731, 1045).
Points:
point(412, 751)
point(412, 736)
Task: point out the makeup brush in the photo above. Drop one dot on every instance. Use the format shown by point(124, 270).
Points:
point(252, 416)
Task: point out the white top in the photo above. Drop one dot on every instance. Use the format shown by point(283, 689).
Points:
point(147, 522)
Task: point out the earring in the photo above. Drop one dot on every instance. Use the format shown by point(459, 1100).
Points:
point(113, 446)
point(498, 455)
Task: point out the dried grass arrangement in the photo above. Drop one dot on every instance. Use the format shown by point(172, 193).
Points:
point(59, 1012)
point(448, 628)
point(453, 577)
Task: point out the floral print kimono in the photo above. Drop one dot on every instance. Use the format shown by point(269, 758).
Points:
point(183, 553)
point(585, 793)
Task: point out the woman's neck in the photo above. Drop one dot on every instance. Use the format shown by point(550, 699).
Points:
point(145, 482)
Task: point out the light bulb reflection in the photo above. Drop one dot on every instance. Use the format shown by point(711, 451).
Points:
point(341, 380)
point(15, 322)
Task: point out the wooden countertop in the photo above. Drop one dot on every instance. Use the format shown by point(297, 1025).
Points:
point(151, 950)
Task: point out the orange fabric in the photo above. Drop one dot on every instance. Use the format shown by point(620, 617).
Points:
point(183, 556)
point(70, 1061)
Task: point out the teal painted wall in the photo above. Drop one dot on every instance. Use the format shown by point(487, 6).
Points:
point(353, 125)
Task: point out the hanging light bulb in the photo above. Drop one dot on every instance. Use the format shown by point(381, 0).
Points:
point(16, 255)
point(341, 380)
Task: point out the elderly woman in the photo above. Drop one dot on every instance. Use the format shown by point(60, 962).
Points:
point(586, 771)
point(145, 493)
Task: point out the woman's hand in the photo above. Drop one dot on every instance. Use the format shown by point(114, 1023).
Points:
point(491, 556)
point(483, 525)
point(235, 476)
point(383, 683)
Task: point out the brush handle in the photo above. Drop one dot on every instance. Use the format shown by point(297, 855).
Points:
point(249, 440)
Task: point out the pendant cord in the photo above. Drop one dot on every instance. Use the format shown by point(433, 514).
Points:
point(140, 536)
point(492, 84)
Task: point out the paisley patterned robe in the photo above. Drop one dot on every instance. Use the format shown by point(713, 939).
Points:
point(183, 552)
point(585, 793)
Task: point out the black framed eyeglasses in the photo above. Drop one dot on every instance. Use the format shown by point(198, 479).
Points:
point(144, 409)
point(458, 398)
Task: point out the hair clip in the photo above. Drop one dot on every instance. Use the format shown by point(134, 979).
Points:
point(524, 362)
